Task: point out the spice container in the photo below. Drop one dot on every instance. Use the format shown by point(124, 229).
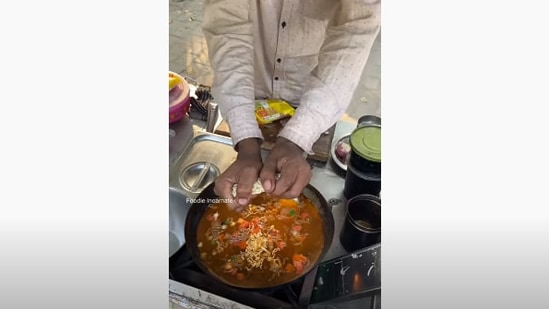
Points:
point(363, 174)
point(366, 149)
point(362, 226)
point(358, 182)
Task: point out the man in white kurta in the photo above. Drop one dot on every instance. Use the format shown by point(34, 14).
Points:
point(310, 53)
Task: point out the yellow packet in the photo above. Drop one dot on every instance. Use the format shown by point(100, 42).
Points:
point(268, 111)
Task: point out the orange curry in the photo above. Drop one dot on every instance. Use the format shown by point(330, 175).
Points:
point(272, 242)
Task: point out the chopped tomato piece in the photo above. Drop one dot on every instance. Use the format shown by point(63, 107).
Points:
point(305, 215)
point(298, 267)
point(240, 276)
point(241, 244)
point(243, 224)
point(255, 226)
point(300, 258)
point(281, 245)
point(289, 268)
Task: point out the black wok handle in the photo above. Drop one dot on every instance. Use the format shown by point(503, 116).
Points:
point(307, 288)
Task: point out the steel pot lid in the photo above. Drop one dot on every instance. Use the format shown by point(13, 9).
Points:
point(366, 142)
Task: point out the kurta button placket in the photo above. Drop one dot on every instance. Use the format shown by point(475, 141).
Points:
point(288, 7)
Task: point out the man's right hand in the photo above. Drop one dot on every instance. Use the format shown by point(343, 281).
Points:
point(243, 172)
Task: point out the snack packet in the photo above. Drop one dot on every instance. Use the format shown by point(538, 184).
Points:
point(268, 111)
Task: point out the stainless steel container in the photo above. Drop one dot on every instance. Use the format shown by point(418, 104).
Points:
point(362, 226)
point(358, 182)
point(363, 174)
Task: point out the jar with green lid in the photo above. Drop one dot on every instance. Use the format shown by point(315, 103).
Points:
point(366, 149)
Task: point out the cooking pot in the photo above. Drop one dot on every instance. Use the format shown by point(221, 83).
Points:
point(198, 209)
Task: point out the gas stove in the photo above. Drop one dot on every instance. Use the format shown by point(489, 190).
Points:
point(349, 281)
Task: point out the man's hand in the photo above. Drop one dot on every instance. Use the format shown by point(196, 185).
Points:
point(243, 172)
point(295, 173)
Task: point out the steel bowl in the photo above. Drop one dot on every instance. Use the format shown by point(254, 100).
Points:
point(340, 163)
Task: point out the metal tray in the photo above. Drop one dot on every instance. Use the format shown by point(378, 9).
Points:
point(206, 157)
